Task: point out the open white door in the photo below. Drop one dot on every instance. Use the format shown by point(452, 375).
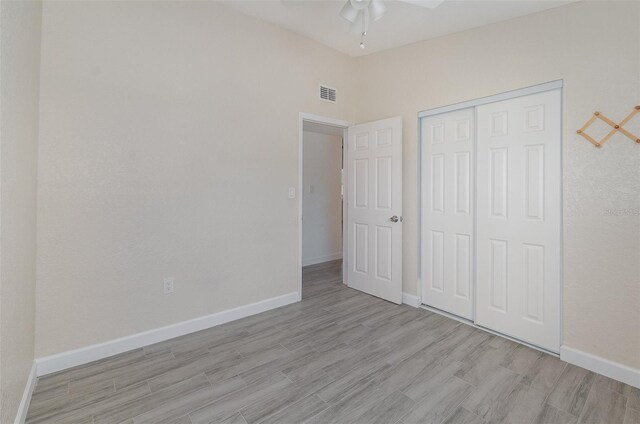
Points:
point(374, 208)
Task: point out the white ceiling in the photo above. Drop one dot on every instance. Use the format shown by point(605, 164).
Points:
point(402, 24)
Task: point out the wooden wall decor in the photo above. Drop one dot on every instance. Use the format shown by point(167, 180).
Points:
point(615, 128)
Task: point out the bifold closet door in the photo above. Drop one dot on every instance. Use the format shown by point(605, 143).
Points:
point(447, 205)
point(518, 218)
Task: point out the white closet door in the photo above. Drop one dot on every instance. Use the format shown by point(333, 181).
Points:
point(447, 205)
point(374, 208)
point(518, 218)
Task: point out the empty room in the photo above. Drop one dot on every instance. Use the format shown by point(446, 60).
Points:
point(301, 211)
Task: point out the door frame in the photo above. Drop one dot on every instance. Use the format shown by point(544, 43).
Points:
point(308, 117)
point(534, 89)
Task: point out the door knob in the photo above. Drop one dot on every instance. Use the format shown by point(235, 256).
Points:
point(395, 218)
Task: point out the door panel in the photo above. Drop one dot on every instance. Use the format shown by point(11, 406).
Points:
point(518, 218)
point(447, 205)
point(374, 253)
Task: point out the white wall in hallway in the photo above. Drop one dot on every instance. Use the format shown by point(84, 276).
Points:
point(321, 201)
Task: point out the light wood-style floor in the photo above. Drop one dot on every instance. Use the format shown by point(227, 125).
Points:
point(339, 356)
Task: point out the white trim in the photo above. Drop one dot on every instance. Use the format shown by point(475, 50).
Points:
point(410, 299)
point(539, 88)
point(606, 367)
point(309, 117)
point(61, 361)
point(302, 117)
point(321, 259)
point(21, 416)
point(419, 211)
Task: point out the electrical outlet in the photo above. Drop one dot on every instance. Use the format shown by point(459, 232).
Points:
point(292, 192)
point(168, 285)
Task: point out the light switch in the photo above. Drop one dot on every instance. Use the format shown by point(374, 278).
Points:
point(292, 192)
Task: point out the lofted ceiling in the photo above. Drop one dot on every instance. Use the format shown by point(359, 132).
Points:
point(402, 24)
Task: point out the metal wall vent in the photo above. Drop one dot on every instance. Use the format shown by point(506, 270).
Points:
point(327, 93)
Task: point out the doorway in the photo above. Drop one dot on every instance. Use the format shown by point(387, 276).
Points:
point(372, 207)
point(321, 220)
point(322, 196)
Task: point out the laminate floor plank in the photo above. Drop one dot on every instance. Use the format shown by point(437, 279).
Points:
point(135, 407)
point(462, 416)
point(544, 373)
point(551, 415)
point(631, 416)
point(298, 412)
point(272, 404)
point(571, 390)
point(229, 405)
point(439, 401)
point(388, 410)
point(339, 356)
point(603, 405)
point(175, 409)
point(78, 408)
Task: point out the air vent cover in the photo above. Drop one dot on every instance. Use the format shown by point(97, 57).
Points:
point(328, 93)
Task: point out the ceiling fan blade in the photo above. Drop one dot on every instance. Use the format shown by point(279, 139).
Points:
point(430, 4)
point(349, 12)
point(377, 9)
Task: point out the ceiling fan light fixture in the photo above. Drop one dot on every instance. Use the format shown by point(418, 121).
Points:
point(361, 12)
point(361, 24)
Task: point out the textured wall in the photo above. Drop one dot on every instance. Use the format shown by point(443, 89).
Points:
point(168, 139)
point(594, 47)
point(19, 80)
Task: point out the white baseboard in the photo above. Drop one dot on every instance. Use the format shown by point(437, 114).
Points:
point(321, 259)
point(21, 416)
point(606, 367)
point(410, 299)
point(64, 360)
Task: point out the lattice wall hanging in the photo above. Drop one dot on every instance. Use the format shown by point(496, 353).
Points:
point(616, 128)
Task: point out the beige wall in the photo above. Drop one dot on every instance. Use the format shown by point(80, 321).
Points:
point(322, 207)
point(19, 80)
point(595, 48)
point(168, 139)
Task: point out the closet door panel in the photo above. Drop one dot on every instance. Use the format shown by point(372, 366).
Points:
point(447, 211)
point(518, 218)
